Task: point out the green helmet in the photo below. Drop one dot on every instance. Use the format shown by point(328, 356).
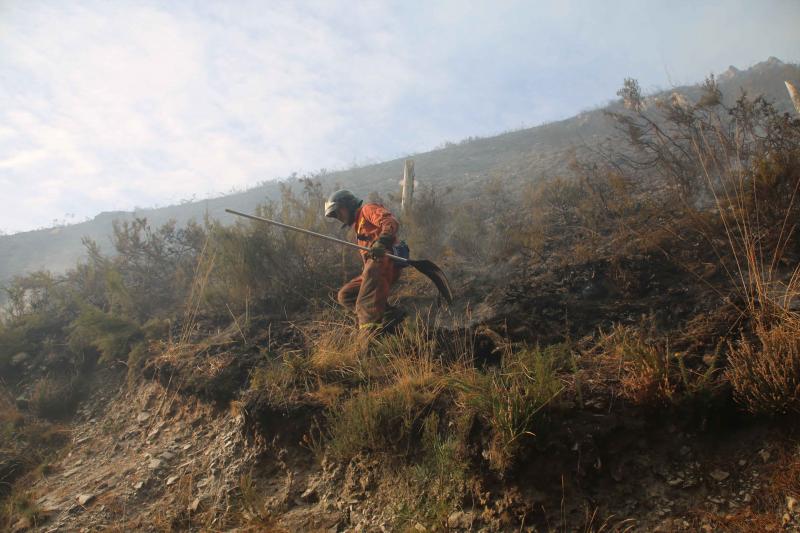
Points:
point(342, 198)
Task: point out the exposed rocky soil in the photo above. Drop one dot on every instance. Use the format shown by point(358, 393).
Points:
point(155, 459)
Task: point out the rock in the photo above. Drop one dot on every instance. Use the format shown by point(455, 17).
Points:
point(143, 417)
point(171, 480)
point(167, 456)
point(139, 485)
point(675, 482)
point(719, 475)
point(459, 520)
point(742, 462)
point(154, 464)
point(85, 499)
point(70, 472)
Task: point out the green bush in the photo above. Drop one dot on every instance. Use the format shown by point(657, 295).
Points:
point(112, 336)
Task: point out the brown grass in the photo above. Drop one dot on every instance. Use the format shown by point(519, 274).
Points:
point(643, 368)
point(765, 374)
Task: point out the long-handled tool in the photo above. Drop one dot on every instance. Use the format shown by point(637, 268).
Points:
point(428, 268)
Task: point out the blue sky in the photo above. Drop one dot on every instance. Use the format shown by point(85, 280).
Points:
point(110, 105)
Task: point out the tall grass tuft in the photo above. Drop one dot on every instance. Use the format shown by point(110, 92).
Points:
point(510, 400)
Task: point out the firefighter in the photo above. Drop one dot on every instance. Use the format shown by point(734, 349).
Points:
point(375, 228)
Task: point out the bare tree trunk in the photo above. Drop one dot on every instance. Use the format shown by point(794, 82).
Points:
point(408, 187)
point(794, 94)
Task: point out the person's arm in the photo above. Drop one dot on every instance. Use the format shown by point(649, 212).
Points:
point(382, 218)
point(379, 216)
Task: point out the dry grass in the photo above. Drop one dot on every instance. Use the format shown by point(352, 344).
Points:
point(384, 420)
point(639, 366)
point(408, 379)
point(338, 351)
point(643, 369)
point(20, 508)
point(756, 200)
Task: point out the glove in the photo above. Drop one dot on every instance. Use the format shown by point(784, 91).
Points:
point(379, 247)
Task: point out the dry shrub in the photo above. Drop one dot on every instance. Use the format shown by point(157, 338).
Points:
point(765, 374)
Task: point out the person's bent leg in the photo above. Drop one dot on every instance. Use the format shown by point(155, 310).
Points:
point(348, 294)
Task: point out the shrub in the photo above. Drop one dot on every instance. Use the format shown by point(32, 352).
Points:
point(765, 374)
point(112, 336)
point(425, 228)
point(273, 269)
point(56, 398)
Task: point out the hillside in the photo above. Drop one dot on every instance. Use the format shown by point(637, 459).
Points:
point(517, 157)
point(622, 353)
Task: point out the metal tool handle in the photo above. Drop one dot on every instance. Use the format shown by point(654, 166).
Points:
point(314, 234)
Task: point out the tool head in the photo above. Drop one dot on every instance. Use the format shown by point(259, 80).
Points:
point(435, 274)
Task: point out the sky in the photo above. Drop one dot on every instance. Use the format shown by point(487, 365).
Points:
point(114, 105)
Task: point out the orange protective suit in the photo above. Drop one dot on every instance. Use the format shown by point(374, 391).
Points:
point(367, 294)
